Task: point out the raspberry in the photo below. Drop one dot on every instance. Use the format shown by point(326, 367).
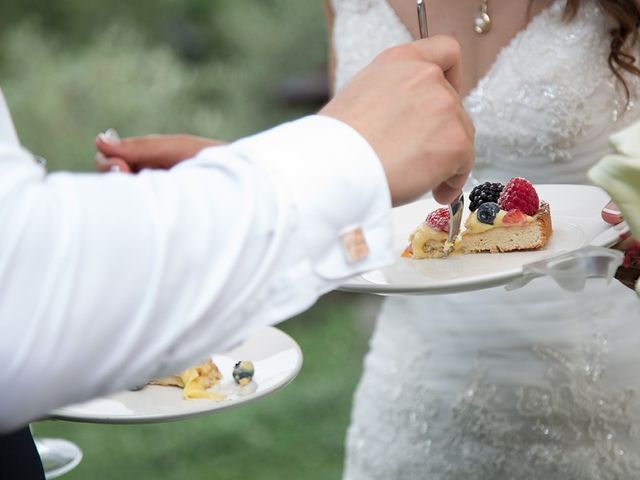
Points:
point(486, 192)
point(513, 216)
point(439, 220)
point(519, 193)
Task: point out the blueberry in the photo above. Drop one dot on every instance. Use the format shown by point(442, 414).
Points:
point(243, 372)
point(487, 212)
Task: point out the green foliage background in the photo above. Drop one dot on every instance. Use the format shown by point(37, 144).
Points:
point(69, 70)
point(72, 68)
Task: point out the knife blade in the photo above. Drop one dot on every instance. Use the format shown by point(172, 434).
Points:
point(455, 219)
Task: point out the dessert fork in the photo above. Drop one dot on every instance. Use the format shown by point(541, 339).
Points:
point(457, 206)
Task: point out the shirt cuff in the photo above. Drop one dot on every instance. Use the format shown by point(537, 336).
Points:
point(338, 187)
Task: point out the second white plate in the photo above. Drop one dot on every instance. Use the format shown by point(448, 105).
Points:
point(575, 212)
point(277, 359)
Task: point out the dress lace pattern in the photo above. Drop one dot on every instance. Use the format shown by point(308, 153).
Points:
point(547, 398)
point(459, 386)
point(574, 430)
point(549, 97)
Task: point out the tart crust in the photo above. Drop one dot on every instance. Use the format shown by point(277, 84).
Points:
point(531, 236)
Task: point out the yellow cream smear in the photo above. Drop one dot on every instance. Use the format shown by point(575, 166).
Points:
point(449, 247)
point(195, 381)
point(473, 225)
point(421, 236)
point(195, 385)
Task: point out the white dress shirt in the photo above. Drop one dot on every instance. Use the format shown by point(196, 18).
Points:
point(109, 280)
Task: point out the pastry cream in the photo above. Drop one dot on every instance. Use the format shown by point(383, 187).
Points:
point(473, 225)
point(195, 385)
point(421, 236)
point(195, 381)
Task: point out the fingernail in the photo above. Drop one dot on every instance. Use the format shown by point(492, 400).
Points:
point(611, 211)
point(611, 208)
point(115, 168)
point(110, 136)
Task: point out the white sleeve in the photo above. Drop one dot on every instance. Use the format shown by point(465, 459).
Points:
point(109, 280)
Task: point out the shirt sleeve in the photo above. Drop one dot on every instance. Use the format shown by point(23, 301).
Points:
point(110, 280)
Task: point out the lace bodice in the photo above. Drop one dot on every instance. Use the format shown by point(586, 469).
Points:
point(489, 385)
point(545, 108)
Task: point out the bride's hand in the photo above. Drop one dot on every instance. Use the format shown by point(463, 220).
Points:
point(630, 270)
point(611, 213)
point(613, 216)
point(152, 151)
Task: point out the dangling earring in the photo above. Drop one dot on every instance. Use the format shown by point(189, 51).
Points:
point(482, 22)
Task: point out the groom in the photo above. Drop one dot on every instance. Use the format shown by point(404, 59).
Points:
point(131, 277)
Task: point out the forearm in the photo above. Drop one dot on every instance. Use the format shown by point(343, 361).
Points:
point(115, 280)
point(331, 57)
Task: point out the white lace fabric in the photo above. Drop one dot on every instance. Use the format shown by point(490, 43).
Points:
point(491, 385)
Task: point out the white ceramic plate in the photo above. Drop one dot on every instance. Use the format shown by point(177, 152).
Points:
point(277, 359)
point(575, 212)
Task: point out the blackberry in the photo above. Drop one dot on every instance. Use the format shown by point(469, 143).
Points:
point(486, 192)
point(487, 212)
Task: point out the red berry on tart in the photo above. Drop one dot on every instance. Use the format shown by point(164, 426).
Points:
point(427, 240)
point(519, 193)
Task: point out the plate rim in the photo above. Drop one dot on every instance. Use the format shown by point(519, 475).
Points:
point(456, 286)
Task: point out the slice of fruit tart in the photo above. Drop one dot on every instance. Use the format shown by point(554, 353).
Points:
point(503, 218)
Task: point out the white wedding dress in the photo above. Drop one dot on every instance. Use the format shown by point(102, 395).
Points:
point(490, 385)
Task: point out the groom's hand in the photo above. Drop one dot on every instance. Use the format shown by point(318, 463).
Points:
point(406, 105)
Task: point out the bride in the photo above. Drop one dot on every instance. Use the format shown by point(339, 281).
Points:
point(532, 384)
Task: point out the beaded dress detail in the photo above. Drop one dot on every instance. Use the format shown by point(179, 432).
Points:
point(532, 384)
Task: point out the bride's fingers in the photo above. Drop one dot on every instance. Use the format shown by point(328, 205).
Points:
point(153, 151)
point(611, 213)
point(625, 243)
point(111, 164)
point(444, 51)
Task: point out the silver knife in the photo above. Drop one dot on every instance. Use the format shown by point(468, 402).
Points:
point(422, 19)
point(457, 206)
point(455, 219)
